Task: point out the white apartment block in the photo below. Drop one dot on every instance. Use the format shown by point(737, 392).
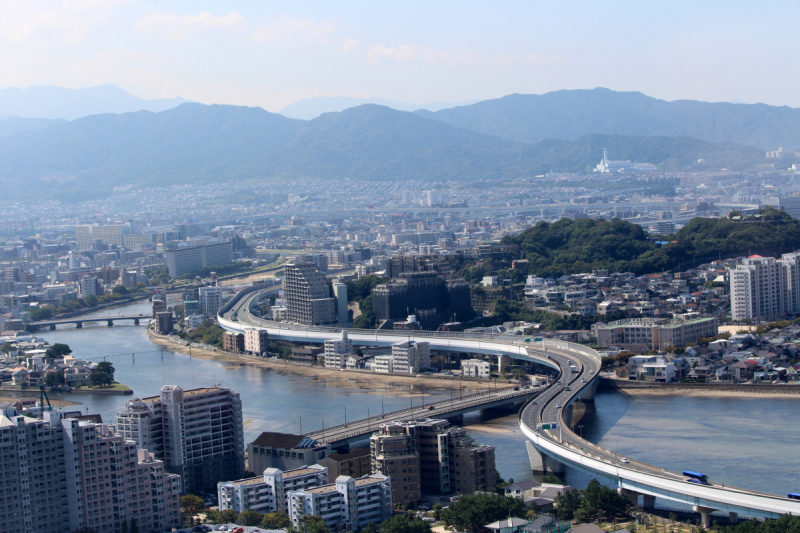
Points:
point(347, 504)
point(337, 351)
point(267, 493)
point(765, 288)
point(410, 356)
point(210, 301)
point(660, 333)
point(198, 433)
point(475, 368)
point(308, 299)
point(256, 341)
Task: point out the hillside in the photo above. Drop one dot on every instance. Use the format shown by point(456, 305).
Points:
point(195, 143)
point(11, 125)
point(567, 246)
point(311, 108)
point(568, 115)
point(49, 101)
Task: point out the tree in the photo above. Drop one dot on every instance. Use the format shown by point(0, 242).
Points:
point(191, 503)
point(108, 368)
point(90, 300)
point(250, 518)
point(371, 527)
point(222, 517)
point(121, 290)
point(473, 511)
point(54, 379)
point(437, 511)
point(314, 524)
point(403, 524)
point(58, 350)
point(277, 520)
point(566, 503)
point(134, 526)
point(98, 378)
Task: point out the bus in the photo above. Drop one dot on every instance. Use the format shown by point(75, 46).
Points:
point(695, 477)
point(793, 496)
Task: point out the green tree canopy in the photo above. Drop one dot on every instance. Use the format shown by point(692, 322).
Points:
point(108, 368)
point(98, 378)
point(191, 503)
point(277, 520)
point(473, 511)
point(403, 524)
point(58, 350)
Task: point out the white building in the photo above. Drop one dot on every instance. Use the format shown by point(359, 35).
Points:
point(789, 204)
point(256, 341)
point(267, 493)
point(210, 301)
point(409, 356)
point(475, 368)
point(194, 321)
point(347, 504)
point(340, 295)
point(337, 351)
point(198, 433)
point(765, 288)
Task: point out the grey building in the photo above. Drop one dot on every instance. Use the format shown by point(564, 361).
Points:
point(190, 258)
point(284, 451)
point(308, 295)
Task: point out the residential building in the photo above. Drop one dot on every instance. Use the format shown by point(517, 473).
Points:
point(356, 463)
point(210, 301)
point(233, 342)
point(187, 259)
point(267, 493)
point(475, 368)
point(758, 289)
point(165, 324)
point(394, 453)
point(340, 295)
point(308, 299)
point(659, 333)
point(307, 354)
point(256, 341)
point(337, 351)
point(284, 451)
point(91, 286)
point(198, 433)
point(86, 236)
point(410, 356)
point(789, 204)
point(651, 368)
point(347, 504)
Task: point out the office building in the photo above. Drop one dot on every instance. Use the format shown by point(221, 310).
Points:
point(759, 288)
point(86, 236)
point(187, 259)
point(210, 299)
point(337, 351)
point(284, 451)
point(198, 433)
point(476, 368)
point(233, 342)
point(138, 241)
point(788, 204)
point(357, 463)
point(347, 504)
point(340, 295)
point(70, 471)
point(256, 341)
point(660, 333)
point(307, 293)
point(267, 493)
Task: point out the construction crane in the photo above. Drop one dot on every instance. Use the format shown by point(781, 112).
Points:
point(43, 397)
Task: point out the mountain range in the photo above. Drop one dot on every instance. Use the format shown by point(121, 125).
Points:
point(196, 143)
point(310, 108)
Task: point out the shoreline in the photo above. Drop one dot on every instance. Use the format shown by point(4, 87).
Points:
point(332, 377)
point(710, 393)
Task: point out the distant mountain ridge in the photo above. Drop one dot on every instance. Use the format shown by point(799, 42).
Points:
point(49, 101)
point(196, 143)
point(311, 108)
point(569, 114)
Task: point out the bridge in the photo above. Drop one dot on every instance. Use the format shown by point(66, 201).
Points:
point(79, 322)
point(545, 418)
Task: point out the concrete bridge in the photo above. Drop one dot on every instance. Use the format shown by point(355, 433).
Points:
point(79, 322)
point(545, 419)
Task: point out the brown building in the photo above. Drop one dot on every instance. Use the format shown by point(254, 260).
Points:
point(165, 324)
point(307, 354)
point(233, 342)
point(355, 464)
point(394, 454)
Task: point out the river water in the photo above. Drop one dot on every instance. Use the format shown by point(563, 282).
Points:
point(748, 442)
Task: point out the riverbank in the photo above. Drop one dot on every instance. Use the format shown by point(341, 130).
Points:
point(787, 391)
point(4, 398)
point(346, 378)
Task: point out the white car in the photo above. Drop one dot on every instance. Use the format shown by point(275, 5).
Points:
point(624, 460)
point(558, 406)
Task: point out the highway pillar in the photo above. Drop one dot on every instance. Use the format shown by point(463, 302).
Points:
point(632, 495)
point(136, 322)
point(456, 420)
point(705, 514)
point(733, 518)
point(52, 327)
point(78, 325)
point(588, 393)
point(648, 501)
point(542, 464)
point(566, 414)
point(110, 323)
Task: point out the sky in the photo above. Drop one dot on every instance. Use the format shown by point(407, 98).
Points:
point(271, 54)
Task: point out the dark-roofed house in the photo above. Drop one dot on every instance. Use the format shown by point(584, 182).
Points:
point(284, 451)
point(357, 463)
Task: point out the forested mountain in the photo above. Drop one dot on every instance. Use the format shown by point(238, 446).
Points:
point(212, 144)
point(571, 114)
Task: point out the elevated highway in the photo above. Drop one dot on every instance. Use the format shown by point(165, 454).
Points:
point(546, 417)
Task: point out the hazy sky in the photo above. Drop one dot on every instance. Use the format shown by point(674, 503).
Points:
point(271, 54)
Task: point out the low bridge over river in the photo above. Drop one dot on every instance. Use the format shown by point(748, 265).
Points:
point(79, 322)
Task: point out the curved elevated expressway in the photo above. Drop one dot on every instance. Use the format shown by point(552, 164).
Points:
point(549, 449)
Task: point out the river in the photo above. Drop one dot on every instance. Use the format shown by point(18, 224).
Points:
point(746, 442)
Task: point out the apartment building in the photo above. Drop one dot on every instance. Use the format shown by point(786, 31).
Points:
point(284, 451)
point(267, 493)
point(186, 259)
point(394, 453)
point(87, 235)
point(91, 286)
point(410, 356)
point(660, 333)
point(476, 368)
point(233, 342)
point(308, 299)
point(210, 301)
point(337, 351)
point(198, 433)
point(256, 341)
point(765, 288)
point(357, 463)
point(347, 504)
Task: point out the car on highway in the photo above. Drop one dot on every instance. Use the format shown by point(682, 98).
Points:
point(624, 460)
point(516, 388)
point(558, 406)
point(567, 388)
point(431, 408)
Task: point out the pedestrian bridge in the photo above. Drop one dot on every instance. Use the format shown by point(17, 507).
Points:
point(79, 322)
point(546, 422)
